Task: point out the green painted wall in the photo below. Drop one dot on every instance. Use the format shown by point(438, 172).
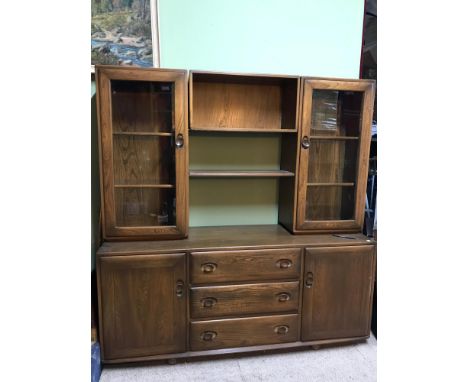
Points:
point(234, 201)
point(302, 37)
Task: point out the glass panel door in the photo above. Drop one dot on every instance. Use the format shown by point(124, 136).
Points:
point(333, 153)
point(144, 162)
point(335, 134)
point(143, 153)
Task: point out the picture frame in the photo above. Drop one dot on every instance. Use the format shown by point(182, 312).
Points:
point(125, 32)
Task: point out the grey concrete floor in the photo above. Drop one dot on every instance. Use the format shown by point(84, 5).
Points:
point(336, 364)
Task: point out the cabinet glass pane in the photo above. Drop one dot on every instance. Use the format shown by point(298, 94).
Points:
point(332, 161)
point(336, 113)
point(143, 159)
point(137, 206)
point(330, 203)
point(140, 106)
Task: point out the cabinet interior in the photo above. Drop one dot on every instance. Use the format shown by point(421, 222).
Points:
point(243, 103)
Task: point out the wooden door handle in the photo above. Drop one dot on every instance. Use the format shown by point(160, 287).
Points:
point(179, 288)
point(179, 142)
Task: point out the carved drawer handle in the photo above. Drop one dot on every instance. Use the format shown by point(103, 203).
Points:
point(208, 302)
point(283, 297)
point(284, 263)
point(282, 329)
point(208, 336)
point(208, 267)
point(180, 288)
point(309, 279)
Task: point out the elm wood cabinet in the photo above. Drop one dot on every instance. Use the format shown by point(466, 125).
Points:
point(144, 152)
point(219, 290)
point(333, 151)
point(232, 290)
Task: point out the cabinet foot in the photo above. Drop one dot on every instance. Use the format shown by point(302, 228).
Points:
point(172, 361)
point(316, 347)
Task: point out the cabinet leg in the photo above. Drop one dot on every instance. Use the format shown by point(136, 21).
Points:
point(172, 361)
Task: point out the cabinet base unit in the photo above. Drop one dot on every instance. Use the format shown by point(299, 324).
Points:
point(233, 289)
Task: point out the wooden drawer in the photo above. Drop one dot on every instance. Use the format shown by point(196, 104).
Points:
point(237, 332)
point(255, 265)
point(229, 300)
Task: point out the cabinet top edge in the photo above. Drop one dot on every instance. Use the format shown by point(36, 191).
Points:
point(357, 80)
point(122, 68)
point(234, 238)
point(246, 74)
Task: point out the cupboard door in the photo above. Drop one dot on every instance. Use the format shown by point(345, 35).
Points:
point(334, 151)
point(143, 305)
point(143, 130)
point(337, 294)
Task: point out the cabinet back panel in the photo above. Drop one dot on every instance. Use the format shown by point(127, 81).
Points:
point(144, 160)
point(137, 206)
point(236, 201)
point(234, 151)
point(223, 101)
point(141, 106)
point(237, 106)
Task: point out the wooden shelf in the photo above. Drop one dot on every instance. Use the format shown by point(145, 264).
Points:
point(238, 130)
point(239, 174)
point(143, 133)
point(336, 137)
point(144, 186)
point(346, 184)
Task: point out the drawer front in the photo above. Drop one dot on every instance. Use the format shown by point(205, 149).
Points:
point(233, 300)
point(238, 332)
point(262, 264)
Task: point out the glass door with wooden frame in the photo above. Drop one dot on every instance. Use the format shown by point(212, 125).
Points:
point(143, 131)
point(334, 149)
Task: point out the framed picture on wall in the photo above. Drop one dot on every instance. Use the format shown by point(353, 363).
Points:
point(124, 32)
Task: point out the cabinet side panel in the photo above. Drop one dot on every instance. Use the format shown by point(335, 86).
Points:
point(287, 186)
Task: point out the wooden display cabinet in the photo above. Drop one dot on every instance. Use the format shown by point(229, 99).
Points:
point(144, 146)
point(235, 289)
point(333, 147)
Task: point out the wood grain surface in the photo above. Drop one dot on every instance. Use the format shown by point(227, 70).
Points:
point(232, 300)
point(242, 102)
point(143, 305)
point(337, 302)
point(226, 266)
point(215, 334)
point(233, 238)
